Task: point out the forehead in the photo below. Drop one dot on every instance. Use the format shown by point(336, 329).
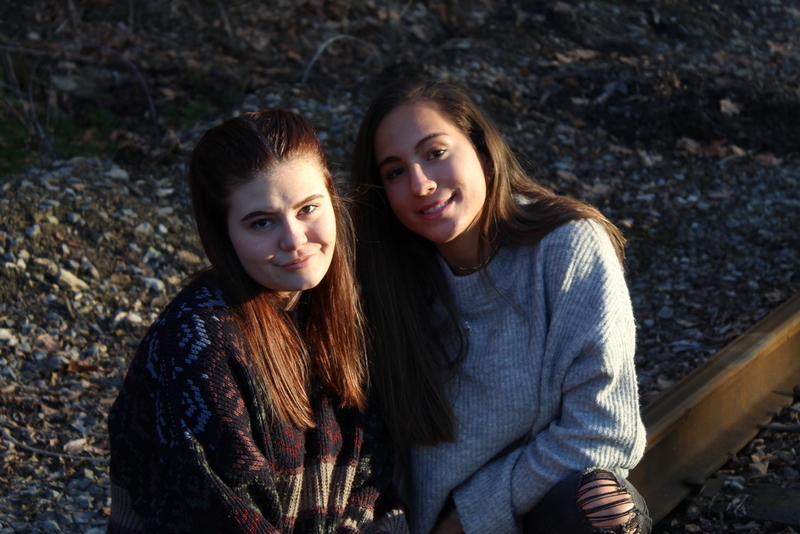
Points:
point(408, 124)
point(418, 112)
point(282, 183)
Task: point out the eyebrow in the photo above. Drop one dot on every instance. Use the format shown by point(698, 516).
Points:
point(263, 213)
point(421, 142)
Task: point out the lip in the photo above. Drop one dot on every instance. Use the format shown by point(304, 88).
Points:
point(298, 263)
point(436, 209)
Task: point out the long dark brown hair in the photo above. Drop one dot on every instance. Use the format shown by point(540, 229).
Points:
point(284, 359)
point(399, 271)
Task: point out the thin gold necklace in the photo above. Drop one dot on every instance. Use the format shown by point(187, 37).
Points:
point(475, 268)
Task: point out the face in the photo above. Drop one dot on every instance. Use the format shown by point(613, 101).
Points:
point(283, 227)
point(433, 177)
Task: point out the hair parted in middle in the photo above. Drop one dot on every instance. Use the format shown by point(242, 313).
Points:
point(399, 270)
point(331, 346)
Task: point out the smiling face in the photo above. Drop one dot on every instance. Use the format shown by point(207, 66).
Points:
point(434, 179)
point(283, 226)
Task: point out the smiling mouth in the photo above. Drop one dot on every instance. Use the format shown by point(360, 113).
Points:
point(437, 207)
point(299, 262)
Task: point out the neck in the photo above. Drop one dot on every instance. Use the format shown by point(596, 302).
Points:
point(289, 300)
point(462, 265)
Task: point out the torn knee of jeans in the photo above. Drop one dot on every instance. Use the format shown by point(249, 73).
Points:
point(607, 505)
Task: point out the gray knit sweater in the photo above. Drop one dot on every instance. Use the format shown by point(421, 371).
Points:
point(547, 387)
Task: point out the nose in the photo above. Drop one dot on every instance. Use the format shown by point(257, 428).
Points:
point(419, 182)
point(294, 236)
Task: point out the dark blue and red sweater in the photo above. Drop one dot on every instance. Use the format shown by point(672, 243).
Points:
point(194, 448)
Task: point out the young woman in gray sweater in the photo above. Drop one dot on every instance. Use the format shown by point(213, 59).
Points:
point(502, 330)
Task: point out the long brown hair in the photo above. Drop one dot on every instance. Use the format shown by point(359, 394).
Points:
point(399, 271)
point(330, 347)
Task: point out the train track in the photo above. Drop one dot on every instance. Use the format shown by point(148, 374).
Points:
point(697, 425)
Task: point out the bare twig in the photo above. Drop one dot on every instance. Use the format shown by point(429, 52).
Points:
point(225, 22)
point(325, 45)
point(28, 51)
point(9, 437)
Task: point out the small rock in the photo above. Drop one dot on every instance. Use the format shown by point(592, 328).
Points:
point(7, 335)
point(33, 231)
point(69, 281)
point(49, 525)
point(665, 313)
point(144, 229)
point(117, 173)
point(154, 284)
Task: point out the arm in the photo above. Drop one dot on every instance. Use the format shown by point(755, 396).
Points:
point(181, 436)
point(591, 416)
point(374, 498)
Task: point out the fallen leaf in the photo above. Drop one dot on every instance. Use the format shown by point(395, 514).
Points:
point(570, 56)
point(68, 241)
point(78, 366)
point(738, 151)
point(768, 160)
point(47, 343)
point(75, 447)
point(583, 54)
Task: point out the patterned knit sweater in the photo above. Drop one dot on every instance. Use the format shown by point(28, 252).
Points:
point(547, 387)
point(193, 448)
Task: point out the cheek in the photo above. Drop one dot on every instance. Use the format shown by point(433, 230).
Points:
point(394, 197)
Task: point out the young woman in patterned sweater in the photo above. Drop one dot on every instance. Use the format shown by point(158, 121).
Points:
point(504, 334)
point(244, 409)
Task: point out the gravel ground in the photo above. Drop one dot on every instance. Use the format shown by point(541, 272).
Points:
point(92, 249)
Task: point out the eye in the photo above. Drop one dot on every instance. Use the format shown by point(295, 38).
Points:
point(436, 153)
point(311, 208)
point(393, 173)
point(262, 223)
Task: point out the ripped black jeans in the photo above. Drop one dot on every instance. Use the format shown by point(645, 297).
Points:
point(593, 502)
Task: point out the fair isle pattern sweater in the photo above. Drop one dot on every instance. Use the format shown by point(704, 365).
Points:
point(193, 449)
point(547, 387)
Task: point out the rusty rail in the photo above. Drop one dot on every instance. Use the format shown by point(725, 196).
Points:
point(697, 425)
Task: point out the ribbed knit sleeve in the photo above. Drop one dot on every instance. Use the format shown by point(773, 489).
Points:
point(548, 386)
point(193, 448)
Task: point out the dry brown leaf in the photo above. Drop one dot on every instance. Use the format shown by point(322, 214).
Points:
point(768, 160)
point(47, 343)
point(562, 58)
point(68, 241)
point(78, 366)
point(583, 54)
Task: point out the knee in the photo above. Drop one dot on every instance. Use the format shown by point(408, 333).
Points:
point(607, 504)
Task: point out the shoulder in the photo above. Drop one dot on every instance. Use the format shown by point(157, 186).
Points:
point(579, 241)
point(195, 330)
point(202, 299)
point(581, 232)
point(202, 294)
